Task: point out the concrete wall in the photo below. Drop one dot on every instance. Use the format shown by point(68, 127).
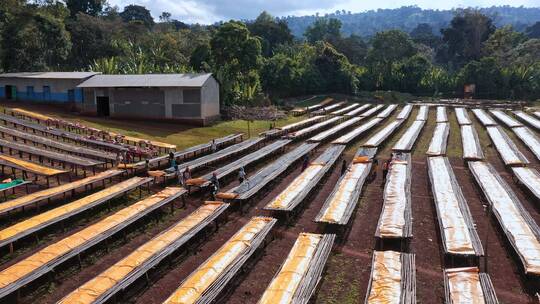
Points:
point(58, 89)
point(210, 99)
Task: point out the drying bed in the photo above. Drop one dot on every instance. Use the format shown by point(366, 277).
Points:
point(408, 139)
point(529, 139)
point(468, 285)
point(345, 139)
point(462, 116)
point(379, 137)
point(386, 112)
point(45, 260)
point(392, 278)
point(299, 275)
point(471, 143)
point(506, 119)
point(302, 185)
point(423, 112)
point(395, 221)
point(123, 273)
point(439, 141)
point(304, 132)
point(36, 223)
point(372, 111)
point(530, 178)
point(507, 149)
point(340, 204)
point(517, 224)
point(405, 112)
point(358, 110)
point(268, 174)
point(441, 114)
point(346, 109)
point(329, 108)
point(484, 118)
point(335, 130)
point(456, 225)
point(209, 279)
point(39, 196)
point(27, 166)
point(535, 123)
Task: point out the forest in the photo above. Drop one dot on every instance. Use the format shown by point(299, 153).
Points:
point(262, 61)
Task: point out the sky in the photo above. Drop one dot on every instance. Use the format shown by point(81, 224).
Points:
point(210, 11)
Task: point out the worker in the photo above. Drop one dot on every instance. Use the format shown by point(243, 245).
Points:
point(213, 146)
point(374, 170)
point(385, 168)
point(214, 184)
point(186, 175)
point(343, 167)
point(241, 175)
point(305, 162)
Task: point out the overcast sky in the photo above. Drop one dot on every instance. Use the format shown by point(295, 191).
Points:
point(210, 11)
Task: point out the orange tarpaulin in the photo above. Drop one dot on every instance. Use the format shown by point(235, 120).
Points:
point(31, 167)
point(31, 114)
point(46, 255)
point(386, 278)
point(464, 285)
point(95, 288)
point(202, 278)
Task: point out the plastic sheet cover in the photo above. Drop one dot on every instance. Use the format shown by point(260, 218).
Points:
point(456, 232)
point(96, 287)
point(380, 136)
point(464, 285)
point(57, 190)
point(529, 138)
point(529, 177)
point(471, 143)
point(386, 112)
point(437, 146)
point(506, 148)
point(343, 196)
point(346, 109)
point(441, 114)
point(371, 111)
point(423, 113)
point(46, 255)
point(345, 139)
point(358, 110)
point(316, 126)
point(332, 131)
point(31, 114)
point(392, 221)
point(202, 278)
point(528, 119)
point(32, 167)
point(407, 140)
point(385, 278)
point(284, 285)
point(484, 118)
point(300, 123)
point(287, 196)
point(506, 119)
point(511, 219)
point(63, 210)
point(405, 112)
point(462, 116)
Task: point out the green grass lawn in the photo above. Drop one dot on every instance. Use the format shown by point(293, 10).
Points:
point(181, 135)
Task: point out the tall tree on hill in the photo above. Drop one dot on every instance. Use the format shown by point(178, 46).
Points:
point(423, 33)
point(533, 31)
point(137, 13)
point(501, 42)
point(271, 31)
point(89, 7)
point(465, 37)
point(323, 29)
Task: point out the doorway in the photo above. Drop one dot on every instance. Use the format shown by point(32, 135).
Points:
point(10, 92)
point(102, 103)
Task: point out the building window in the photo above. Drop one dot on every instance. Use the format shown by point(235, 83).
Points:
point(30, 91)
point(192, 96)
point(46, 92)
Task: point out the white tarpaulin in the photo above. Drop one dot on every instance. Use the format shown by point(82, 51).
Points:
point(437, 146)
point(471, 144)
point(405, 112)
point(332, 131)
point(372, 111)
point(386, 112)
point(506, 119)
point(530, 139)
point(484, 118)
point(530, 178)
point(528, 119)
point(382, 135)
point(345, 139)
point(441, 114)
point(462, 116)
point(396, 200)
point(423, 113)
point(407, 140)
point(505, 146)
point(358, 110)
point(517, 224)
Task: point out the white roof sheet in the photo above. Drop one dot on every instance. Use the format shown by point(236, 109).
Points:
point(146, 80)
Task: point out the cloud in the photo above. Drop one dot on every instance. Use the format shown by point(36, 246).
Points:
point(210, 11)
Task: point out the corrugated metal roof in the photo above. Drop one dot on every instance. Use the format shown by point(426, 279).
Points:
point(146, 80)
point(50, 75)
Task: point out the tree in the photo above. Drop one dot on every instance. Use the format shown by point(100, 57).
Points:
point(486, 74)
point(423, 34)
point(272, 32)
point(338, 73)
point(465, 37)
point(36, 42)
point(89, 7)
point(533, 31)
point(323, 29)
point(353, 47)
point(137, 13)
point(501, 42)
